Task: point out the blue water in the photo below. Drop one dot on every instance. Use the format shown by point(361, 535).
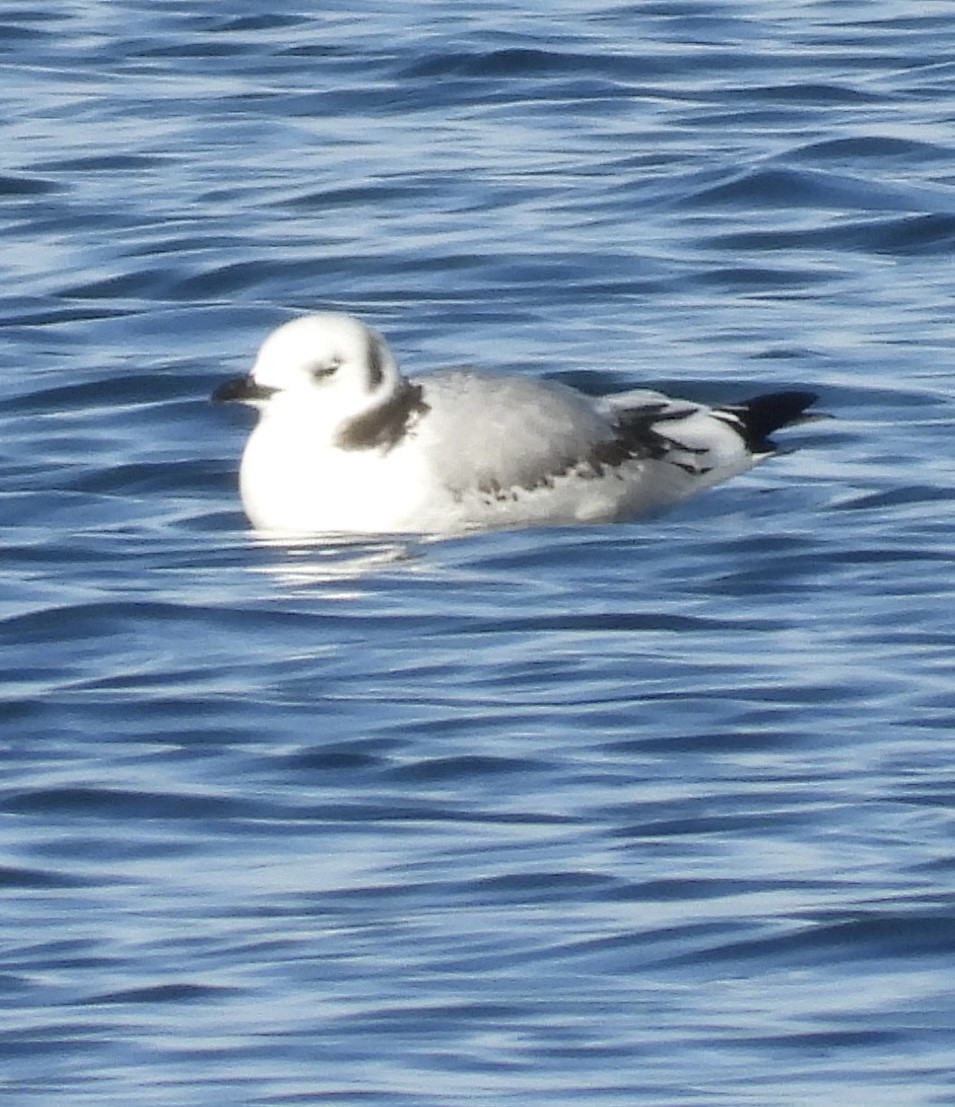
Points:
point(656, 814)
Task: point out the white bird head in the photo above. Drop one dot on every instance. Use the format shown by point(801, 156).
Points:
point(330, 366)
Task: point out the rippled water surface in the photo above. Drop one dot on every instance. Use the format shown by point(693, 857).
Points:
point(652, 814)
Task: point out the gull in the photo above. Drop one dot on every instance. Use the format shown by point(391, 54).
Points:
point(346, 444)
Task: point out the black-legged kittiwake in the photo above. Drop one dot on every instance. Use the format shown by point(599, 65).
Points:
point(346, 444)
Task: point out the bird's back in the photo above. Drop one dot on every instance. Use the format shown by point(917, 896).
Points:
point(489, 430)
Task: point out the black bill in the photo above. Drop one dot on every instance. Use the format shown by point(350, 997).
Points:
point(243, 390)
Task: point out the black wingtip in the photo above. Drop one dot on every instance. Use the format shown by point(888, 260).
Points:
point(758, 418)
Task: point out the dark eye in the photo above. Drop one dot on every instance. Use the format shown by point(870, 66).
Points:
point(325, 369)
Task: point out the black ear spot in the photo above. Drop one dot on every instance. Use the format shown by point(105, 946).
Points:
point(376, 372)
